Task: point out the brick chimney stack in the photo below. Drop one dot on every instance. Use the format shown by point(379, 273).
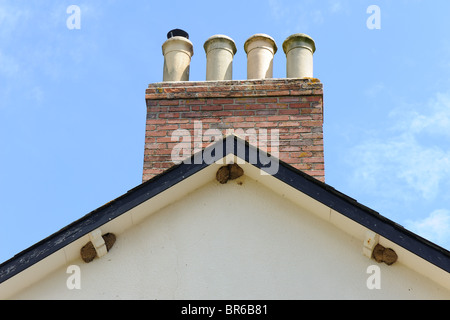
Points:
point(292, 106)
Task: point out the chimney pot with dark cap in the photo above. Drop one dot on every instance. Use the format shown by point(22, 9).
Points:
point(177, 51)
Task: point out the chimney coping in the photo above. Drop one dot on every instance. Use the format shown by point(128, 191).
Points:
point(233, 88)
point(311, 81)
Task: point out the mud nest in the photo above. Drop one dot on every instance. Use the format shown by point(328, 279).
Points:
point(229, 172)
point(386, 255)
point(88, 252)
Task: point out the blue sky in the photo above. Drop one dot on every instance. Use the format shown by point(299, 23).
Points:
point(72, 106)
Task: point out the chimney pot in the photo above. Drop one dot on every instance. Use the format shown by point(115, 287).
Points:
point(177, 51)
point(299, 49)
point(220, 51)
point(260, 49)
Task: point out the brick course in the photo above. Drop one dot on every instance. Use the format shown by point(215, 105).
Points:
point(292, 106)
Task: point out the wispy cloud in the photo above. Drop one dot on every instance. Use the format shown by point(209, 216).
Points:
point(277, 9)
point(413, 156)
point(435, 227)
point(433, 120)
point(306, 13)
point(400, 167)
point(48, 51)
point(338, 6)
point(407, 165)
point(375, 89)
point(11, 17)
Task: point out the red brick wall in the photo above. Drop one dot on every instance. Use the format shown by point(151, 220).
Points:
point(293, 106)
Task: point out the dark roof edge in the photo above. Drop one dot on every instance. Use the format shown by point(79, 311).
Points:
point(96, 219)
point(297, 179)
point(371, 219)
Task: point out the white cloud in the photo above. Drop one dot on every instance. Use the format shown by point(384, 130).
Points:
point(36, 46)
point(299, 16)
point(10, 19)
point(277, 9)
point(401, 167)
point(335, 6)
point(413, 160)
point(338, 6)
point(406, 168)
point(434, 119)
point(435, 227)
point(374, 90)
point(36, 94)
point(317, 17)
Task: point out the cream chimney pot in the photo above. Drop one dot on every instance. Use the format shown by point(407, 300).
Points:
point(177, 52)
point(299, 49)
point(260, 49)
point(220, 51)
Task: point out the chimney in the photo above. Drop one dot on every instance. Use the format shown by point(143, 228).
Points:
point(299, 49)
point(177, 51)
point(260, 49)
point(188, 111)
point(220, 51)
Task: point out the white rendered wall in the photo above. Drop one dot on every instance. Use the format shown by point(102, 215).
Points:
point(235, 242)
